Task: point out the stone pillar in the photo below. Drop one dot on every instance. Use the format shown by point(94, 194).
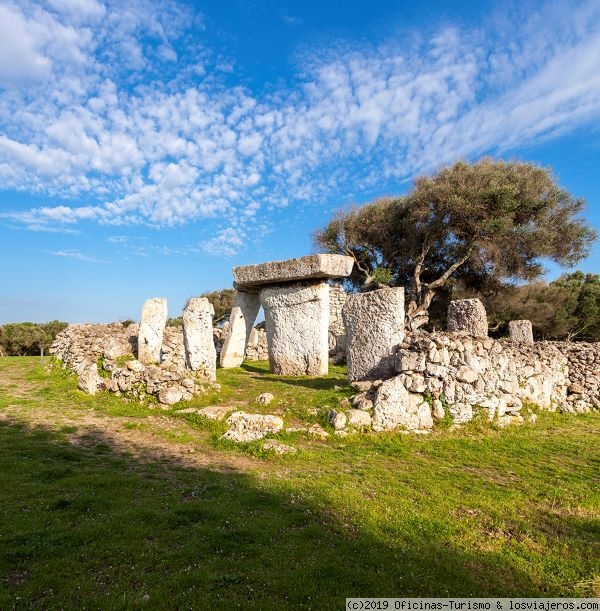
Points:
point(152, 327)
point(520, 331)
point(200, 352)
point(374, 324)
point(297, 321)
point(337, 332)
point(468, 316)
point(241, 323)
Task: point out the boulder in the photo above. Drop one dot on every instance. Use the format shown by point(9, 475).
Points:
point(311, 267)
point(170, 395)
point(520, 331)
point(374, 324)
point(358, 418)
point(297, 321)
point(338, 420)
point(89, 380)
point(200, 351)
point(396, 408)
point(241, 325)
point(265, 398)
point(468, 316)
point(152, 327)
point(250, 427)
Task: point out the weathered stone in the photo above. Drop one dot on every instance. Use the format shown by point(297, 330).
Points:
point(374, 324)
point(249, 427)
point(520, 331)
point(316, 430)
point(297, 321)
point(358, 418)
point(198, 337)
point(89, 380)
point(117, 346)
point(395, 408)
point(135, 366)
point(273, 445)
point(265, 398)
point(241, 325)
point(152, 327)
point(214, 412)
point(311, 267)
point(467, 375)
point(468, 316)
point(438, 410)
point(338, 420)
point(170, 395)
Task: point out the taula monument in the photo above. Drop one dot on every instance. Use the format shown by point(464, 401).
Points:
point(295, 297)
point(405, 380)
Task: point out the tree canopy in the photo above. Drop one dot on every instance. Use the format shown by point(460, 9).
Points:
point(28, 338)
point(484, 224)
point(567, 308)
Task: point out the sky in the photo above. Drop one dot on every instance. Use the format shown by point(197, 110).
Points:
point(147, 147)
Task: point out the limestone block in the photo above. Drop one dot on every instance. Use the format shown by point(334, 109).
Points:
point(311, 267)
point(249, 427)
point(374, 324)
point(89, 381)
point(468, 316)
point(297, 321)
point(170, 395)
point(358, 418)
point(241, 325)
point(152, 328)
point(520, 331)
point(200, 351)
point(396, 408)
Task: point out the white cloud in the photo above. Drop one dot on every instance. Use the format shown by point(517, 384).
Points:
point(77, 255)
point(189, 147)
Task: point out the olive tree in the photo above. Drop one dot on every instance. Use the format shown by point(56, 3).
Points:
point(485, 224)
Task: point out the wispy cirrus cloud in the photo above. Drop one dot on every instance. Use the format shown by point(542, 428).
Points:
point(77, 255)
point(116, 142)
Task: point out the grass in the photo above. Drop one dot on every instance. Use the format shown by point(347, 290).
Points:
point(107, 504)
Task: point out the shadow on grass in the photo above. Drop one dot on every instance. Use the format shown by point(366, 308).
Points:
point(88, 526)
point(313, 383)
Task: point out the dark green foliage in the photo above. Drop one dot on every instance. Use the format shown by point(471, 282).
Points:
point(28, 338)
point(482, 224)
point(568, 308)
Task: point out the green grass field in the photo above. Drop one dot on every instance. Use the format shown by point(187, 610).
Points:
point(107, 504)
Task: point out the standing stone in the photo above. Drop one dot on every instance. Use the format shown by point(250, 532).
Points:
point(200, 352)
point(297, 322)
point(374, 324)
point(241, 323)
point(468, 316)
point(152, 327)
point(520, 331)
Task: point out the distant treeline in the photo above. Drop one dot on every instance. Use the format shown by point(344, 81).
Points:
point(28, 338)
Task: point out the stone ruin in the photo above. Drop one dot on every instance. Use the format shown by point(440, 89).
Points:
point(427, 377)
point(405, 380)
point(295, 297)
point(169, 363)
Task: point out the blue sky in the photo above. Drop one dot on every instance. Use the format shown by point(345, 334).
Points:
point(148, 147)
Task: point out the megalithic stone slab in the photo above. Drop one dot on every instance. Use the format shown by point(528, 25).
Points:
point(520, 331)
point(468, 316)
point(200, 352)
point(152, 327)
point(241, 323)
point(297, 322)
point(374, 324)
point(311, 267)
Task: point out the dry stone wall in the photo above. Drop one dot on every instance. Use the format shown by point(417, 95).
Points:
point(104, 358)
point(456, 375)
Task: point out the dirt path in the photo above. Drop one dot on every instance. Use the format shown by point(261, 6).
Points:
point(150, 438)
